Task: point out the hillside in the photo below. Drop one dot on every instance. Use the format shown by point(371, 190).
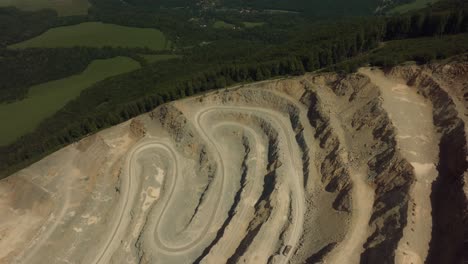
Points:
point(202, 58)
point(233, 131)
point(358, 168)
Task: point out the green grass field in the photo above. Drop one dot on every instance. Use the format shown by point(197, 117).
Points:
point(63, 7)
point(45, 99)
point(97, 34)
point(150, 58)
point(222, 25)
point(416, 4)
point(253, 24)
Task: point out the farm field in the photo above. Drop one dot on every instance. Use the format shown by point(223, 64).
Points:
point(222, 25)
point(159, 57)
point(45, 99)
point(63, 7)
point(416, 4)
point(97, 34)
point(253, 24)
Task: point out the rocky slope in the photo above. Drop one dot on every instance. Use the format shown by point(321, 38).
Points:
point(361, 168)
point(446, 87)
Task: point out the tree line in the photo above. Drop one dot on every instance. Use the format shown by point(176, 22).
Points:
point(21, 69)
point(314, 46)
point(433, 22)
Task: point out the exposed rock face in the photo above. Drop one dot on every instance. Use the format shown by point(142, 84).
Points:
point(303, 170)
point(335, 175)
point(446, 87)
point(370, 142)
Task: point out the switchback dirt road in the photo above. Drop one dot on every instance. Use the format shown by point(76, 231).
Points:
point(318, 168)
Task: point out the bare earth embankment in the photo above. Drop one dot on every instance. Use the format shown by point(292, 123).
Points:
point(323, 168)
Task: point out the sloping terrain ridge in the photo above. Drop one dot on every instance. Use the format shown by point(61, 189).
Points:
point(324, 168)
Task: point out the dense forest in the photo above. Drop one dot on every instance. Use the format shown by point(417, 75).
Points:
point(232, 56)
point(420, 50)
point(24, 68)
point(316, 8)
point(16, 25)
point(50, 64)
point(312, 7)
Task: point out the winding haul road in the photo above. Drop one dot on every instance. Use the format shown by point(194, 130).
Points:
point(130, 189)
point(223, 167)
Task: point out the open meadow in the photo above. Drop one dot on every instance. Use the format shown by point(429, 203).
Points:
point(97, 34)
point(219, 24)
point(417, 4)
point(45, 99)
point(63, 7)
point(253, 24)
point(151, 58)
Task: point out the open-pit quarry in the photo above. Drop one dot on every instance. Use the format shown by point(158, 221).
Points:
point(367, 167)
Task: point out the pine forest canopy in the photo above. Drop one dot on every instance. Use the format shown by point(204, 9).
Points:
point(203, 57)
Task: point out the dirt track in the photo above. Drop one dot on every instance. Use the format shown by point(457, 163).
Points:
point(416, 135)
point(315, 168)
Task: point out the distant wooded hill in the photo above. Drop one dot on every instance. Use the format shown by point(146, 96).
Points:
point(317, 8)
point(209, 58)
